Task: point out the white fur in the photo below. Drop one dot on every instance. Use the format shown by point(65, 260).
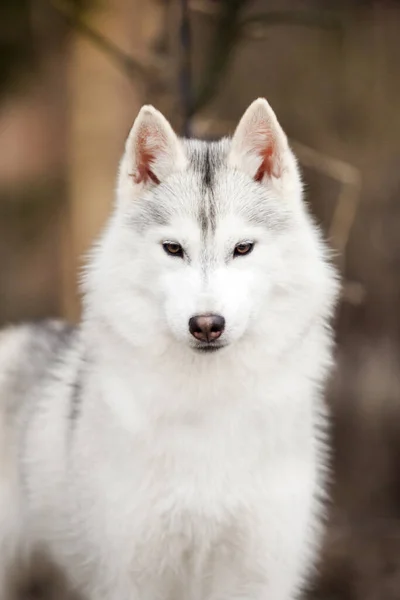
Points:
point(189, 476)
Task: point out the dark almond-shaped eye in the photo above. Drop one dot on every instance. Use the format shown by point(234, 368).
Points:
point(243, 248)
point(173, 248)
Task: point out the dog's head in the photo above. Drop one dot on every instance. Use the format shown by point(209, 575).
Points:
point(210, 243)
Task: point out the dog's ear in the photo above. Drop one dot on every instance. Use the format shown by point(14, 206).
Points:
point(153, 151)
point(259, 145)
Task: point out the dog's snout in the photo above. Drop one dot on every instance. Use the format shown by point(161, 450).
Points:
point(206, 328)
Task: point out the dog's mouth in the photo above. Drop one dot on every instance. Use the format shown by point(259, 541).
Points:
point(206, 348)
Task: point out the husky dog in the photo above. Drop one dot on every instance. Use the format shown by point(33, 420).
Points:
point(172, 446)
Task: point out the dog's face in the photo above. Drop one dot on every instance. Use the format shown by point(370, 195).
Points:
point(209, 243)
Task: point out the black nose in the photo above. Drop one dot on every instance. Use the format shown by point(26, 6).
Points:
point(206, 328)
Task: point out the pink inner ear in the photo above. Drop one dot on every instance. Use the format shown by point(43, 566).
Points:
point(145, 158)
point(267, 150)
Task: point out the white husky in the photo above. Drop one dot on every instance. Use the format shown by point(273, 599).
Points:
point(172, 446)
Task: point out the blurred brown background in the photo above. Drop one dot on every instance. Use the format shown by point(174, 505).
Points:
point(73, 74)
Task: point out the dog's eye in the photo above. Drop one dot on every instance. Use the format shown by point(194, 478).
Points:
point(173, 248)
point(243, 248)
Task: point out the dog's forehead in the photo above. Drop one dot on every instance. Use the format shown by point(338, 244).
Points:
point(206, 159)
point(218, 190)
point(190, 193)
point(205, 192)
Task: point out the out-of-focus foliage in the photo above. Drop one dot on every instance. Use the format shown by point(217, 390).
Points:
point(16, 43)
point(20, 23)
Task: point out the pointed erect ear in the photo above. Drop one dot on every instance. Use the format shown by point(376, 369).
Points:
point(153, 150)
point(259, 145)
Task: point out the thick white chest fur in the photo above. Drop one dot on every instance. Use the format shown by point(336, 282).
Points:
point(184, 490)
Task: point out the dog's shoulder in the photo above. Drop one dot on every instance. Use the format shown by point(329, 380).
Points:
point(27, 352)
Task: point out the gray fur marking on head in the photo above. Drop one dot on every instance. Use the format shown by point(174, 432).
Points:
point(151, 212)
point(207, 161)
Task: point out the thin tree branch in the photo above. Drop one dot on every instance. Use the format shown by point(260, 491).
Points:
point(132, 67)
point(226, 35)
point(186, 67)
point(319, 19)
point(231, 28)
point(349, 197)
